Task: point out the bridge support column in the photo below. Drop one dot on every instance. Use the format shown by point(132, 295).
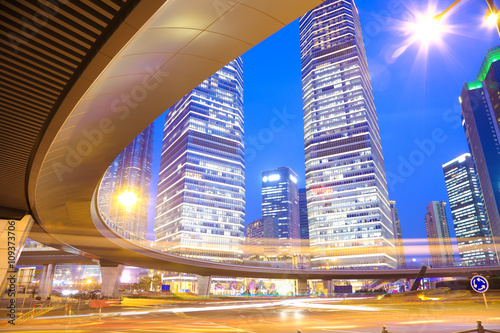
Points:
point(328, 288)
point(13, 234)
point(204, 283)
point(111, 273)
point(302, 286)
point(46, 280)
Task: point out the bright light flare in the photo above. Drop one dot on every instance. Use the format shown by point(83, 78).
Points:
point(89, 281)
point(491, 20)
point(427, 29)
point(128, 199)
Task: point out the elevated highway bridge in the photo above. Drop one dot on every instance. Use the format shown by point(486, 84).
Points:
point(80, 80)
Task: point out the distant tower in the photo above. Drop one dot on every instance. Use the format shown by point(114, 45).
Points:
point(304, 222)
point(254, 238)
point(481, 120)
point(398, 235)
point(280, 200)
point(261, 238)
point(200, 207)
point(438, 235)
point(348, 205)
point(129, 172)
point(475, 244)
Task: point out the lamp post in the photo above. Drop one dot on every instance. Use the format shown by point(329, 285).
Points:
point(127, 199)
point(491, 15)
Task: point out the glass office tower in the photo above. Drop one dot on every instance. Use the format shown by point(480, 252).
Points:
point(280, 200)
point(438, 235)
point(348, 206)
point(261, 240)
point(254, 238)
point(200, 207)
point(480, 101)
point(304, 222)
point(130, 172)
point(398, 235)
point(472, 228)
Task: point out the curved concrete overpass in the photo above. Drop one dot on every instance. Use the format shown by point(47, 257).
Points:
point(152, 59)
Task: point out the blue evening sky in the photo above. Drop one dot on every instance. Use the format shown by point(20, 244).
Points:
point(416, 96)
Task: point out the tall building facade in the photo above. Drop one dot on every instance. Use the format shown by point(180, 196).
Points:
point(480, 101)
point(254, 238)
point(261, 239)
point(348, 205)
point(129, 172)
point(398, 235)
point(472, 228)
point(200, 210)
point(438, 235)
point(304, 222)
point(280, 200)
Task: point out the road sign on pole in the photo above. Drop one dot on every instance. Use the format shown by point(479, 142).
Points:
point(480, 285)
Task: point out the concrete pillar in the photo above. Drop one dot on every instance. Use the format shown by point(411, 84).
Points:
point(45, 287)
point(111, 273)
point(328, 288)
point(204, 283)
point(302, 287)
point(13, 234)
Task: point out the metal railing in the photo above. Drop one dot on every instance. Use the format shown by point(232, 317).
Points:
point(36, 312)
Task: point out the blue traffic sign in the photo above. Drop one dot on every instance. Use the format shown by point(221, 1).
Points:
point(479, 284)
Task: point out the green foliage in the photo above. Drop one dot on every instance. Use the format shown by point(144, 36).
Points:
point(148, 283)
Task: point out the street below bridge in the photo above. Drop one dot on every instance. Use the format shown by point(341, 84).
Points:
point(309, 315)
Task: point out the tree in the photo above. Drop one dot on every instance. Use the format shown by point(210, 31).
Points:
point(150, 283)
point(145, 283)
point(156, 282)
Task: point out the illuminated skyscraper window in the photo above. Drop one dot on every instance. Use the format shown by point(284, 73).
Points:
point(480, 101)
point(475, 244)
point(200, 207)
point(348, 206)
point(129, 176)
point(438, 235)
point(398, 235)
point(280, 200)
point(304, 222)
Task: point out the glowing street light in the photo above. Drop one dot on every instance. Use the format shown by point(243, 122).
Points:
point(128, 199)
point(427, 28)
point(491, 16)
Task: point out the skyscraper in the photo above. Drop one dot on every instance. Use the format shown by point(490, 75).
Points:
point(200, 209)
point(254, 238)
point(475, 244)
point(304, 223)
point(480, 101)
point(398, 235)
point(261, 240)
point(348, 205)
point(129, 173)
point(438, 235)
point(280, 200)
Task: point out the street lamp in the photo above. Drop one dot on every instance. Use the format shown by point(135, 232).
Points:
point(128, 199)
point(491, 16)
point(427, 28)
